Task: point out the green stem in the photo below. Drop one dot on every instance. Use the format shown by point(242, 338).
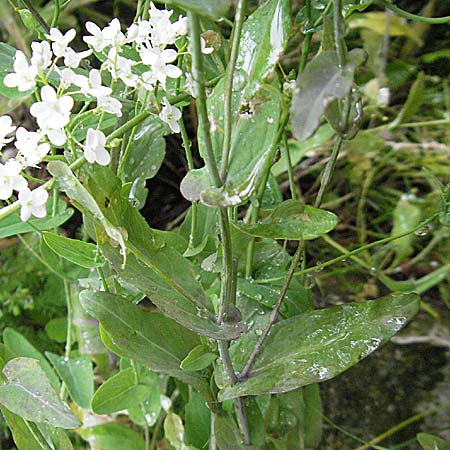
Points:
point(287, 154)
point(228, 94)
point(56, 14)
point(402, 425)
point(339, 31)
point(328, 172)
point(199, 86)
point(307, 40)
point(68, 347)
point(347, 254)
point(39, 19)
point(191, 166)
point(430, 20)
point(146, 428)
point(254, 209)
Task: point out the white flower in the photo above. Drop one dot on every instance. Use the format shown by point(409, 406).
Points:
point(42, 55)
point(97, 41)
point(159, 61)
point(10, 178)
point(72, 58)
point(163, 31)
point(120, 67)
point(27, 142)
point(112, 33)
point(94, 147)
point(93, 85)
point(139, 32)
point(180, 27)
point(110, 105)
point(189, 85)
point(56, 136)
point(60, 41)
point(24, 74)
point(66, 77)
point(6, 128)
point(148, 80)
point(32, 203)
point(52, 113)
point(170, 114)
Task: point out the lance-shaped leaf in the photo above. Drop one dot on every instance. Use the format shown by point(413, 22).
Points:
point(77, 374)
point(321, 344)
point(430, 442)
point(255, 111)
point(113, 436)
point(69, 183)
point(294, 221)
point(81, 253)
point(318, 85)
point(167, 279)
point(118, 393)
point(150, 338)
point(215, 9)
point(29, 394)
point(264, 37)
point(143, 162)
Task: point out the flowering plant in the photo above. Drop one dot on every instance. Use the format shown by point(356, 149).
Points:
point(231, 326)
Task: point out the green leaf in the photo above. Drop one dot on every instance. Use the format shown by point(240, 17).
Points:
point(249, 158)
point(406, 217)
point(227, 434)
point(56, 329)
point(318, 85)
point(30, 395)
point(197, 417)
point(215, 9)
point(118, 393)
point(293, 221)
point(147, 153)
point(168, 280)
point(69, 183)
point(78, 252)
point(199, 358)
point(12, 225)
point(20, 346)
point(7, 54)
point(319, 345)
point(264, 38)
point(256, 111)
point(157, 269)
point(174, 432)
point(150, 338)
point(77, 374)
point(113, 436)
point(413, 102)
point(20, 430)
point(431, 442)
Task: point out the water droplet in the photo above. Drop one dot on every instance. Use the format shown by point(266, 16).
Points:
point(423, 231)
point(258, 332)
point(240, 80)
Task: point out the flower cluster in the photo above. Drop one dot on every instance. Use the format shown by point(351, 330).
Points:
point(137, 60)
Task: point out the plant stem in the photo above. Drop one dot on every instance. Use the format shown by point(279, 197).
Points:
point(402, 425)
point(416, 18)
point(328, 172)
point(227, 294)
point(199, 86)
point(339, 31)
point(307, 40)
point(348, 254)
point(68, 347)
point(274, 314)
point(228, 94)
point(287, 154)
point(39, 19)
point(56, 13)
